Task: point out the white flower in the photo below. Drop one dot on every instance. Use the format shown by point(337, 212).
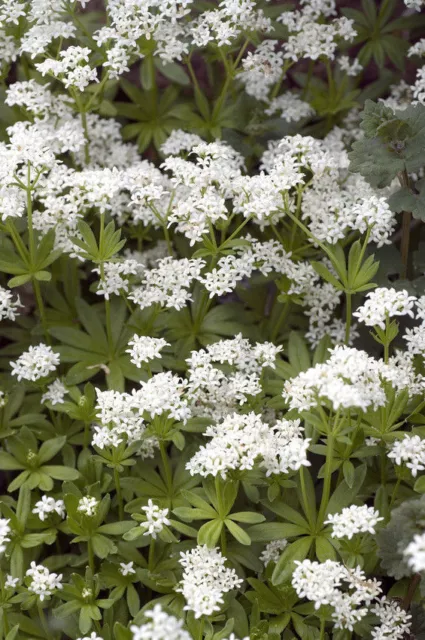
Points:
point(414, 4)
point(145, 348)
point(156, 519)
point(353, 520)
point(395, 621)
point(290, 106)
point(126, 569)
point(43, 582)
point(168, 283)
point(55, 393)
point(385, 303)
point(35, 363)
point(262, 69)
point(11, 582)
point(8, 305)
point(161, 626)
point(351, 67)
point(205, 580)
point(71, 69)
point(415, 553)
point(47, 505)
point(4, 533)
point(272, 551)
point(346, 590)
point(88, 506)
point(409, 451)
point(92, 636)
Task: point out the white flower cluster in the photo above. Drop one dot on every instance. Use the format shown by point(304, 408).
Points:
point(290, 107)
point(35, 363)
point(47, 505)
point(353, 520)
point(409, 451)
point(272, 551)
point(43, 582)
point(144, 348)
point(395, 621)
point(239, 441)
point(92, 636)
point(8, 305)
point(124, 414)
point(55, 393)
point(415, 4)
point(72, 68)
point(415, 337)
point(347, 591)
point(217, 391)
point(415, 553)
point(311, 38)
point(168, 284)
point(382, 304)
point(262, 69)
point(205, 580)
point(350, 378)
point(161, 626)
point(156, 519)
point(4, 533)
point(87, 505)
point(116, 276)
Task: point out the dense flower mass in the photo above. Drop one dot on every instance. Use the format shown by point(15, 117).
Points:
point(212, 319)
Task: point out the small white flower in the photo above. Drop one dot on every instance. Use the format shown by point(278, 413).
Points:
point(35, 363)
point(272, 551)
point(156, 519)
point(88, 506)
point(47, 505)
point(161, 626)
point(126, 569)
point(145, 348)
point(409, 451)
point(353, 520)
point(11, 582)
point(4, 533)
point(415, 553)
point(43, 582)
point(205, 580)
point(55, 393)
point(385, 303)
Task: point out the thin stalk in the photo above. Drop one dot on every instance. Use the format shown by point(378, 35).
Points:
point(91, 556)
point(405, 242)
point(282, 316)
point(387, 343)
point(32, 254)
point(304, 497)
point(119, 494)
point(167, 468)
point(395, 491)
point(151, 555)
point(102, 277)
point(347, 317)
point(322, 628)
point(328, 477)
point(43, 621)
point(235, 233)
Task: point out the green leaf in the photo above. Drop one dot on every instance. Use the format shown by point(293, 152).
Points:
point(172, 71)
point(43, 276)
point(210, 532)
point(344, 495)
point(326, 275)
point(284, 568)
point(419, 485)
point(274, 531)
point(9, 463)
point(237, 532)
point(298, 353)
point(59, 472)
point(249, 517)
point(50, 448)
point(17, 281)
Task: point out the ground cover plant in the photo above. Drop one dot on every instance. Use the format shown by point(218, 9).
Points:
point(212, 306)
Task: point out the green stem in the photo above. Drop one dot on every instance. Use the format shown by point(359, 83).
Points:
point(86, 135)
point(119, 494)
point(282, 316)
point(235, 233)
point(395, 491)
point(347, 317)
point(304, 497)
point(322, 628)
point(91, 556)
point(102, 278)
point(43, 621)
point(151, 555)
point(167, 468)
point(387, 342)
point(328, 477)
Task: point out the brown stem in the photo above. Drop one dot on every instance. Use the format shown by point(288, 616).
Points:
point(407, 600)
